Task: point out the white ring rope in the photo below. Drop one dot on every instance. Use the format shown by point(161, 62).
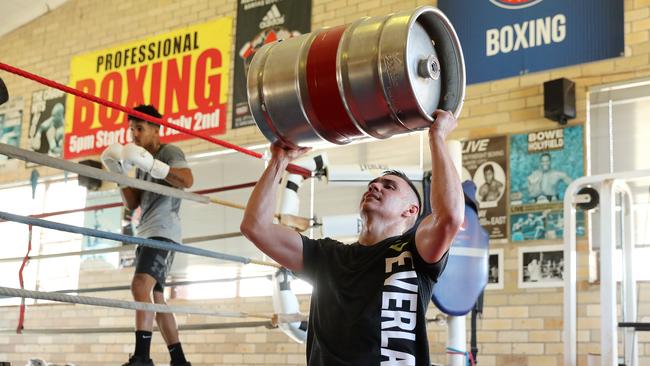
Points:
point(88, 171)
point(158, 308)
point(123, 248)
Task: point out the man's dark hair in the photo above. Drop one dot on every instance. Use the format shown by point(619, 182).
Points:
point(400, 174)
point(545, 154)
point(146, 109)
point(488, 167)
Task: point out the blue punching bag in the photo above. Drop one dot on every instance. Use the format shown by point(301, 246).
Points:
point(466, 274)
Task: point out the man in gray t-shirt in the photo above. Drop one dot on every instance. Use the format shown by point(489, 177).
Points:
point(162, 164)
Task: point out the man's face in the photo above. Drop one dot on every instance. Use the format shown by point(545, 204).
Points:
point(489, 175)
point(144, 134)
point(545, 163)
point(58, 113)
point(390, 195)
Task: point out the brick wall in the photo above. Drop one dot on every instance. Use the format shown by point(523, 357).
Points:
point(519, 326)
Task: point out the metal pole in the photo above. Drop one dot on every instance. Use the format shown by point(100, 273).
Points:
point(570, 270)
point(608, 321)
point(628, 282)
point(457, 328)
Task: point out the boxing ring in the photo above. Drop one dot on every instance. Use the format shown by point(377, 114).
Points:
point(201, 196)
point(38, 221)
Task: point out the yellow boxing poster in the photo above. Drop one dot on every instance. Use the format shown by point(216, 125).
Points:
point(183, 73)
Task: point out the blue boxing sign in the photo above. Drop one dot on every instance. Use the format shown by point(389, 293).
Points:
point(503, 38)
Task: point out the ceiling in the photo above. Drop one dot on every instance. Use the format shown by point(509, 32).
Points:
point(15, 13)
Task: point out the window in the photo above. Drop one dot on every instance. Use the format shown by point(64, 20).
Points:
point(49, 274)
point(618, 135)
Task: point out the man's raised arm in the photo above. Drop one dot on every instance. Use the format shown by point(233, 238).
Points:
point(279, 242)
point(436, 232)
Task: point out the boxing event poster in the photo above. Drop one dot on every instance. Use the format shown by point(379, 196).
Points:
point(259, 23)
point(184, 73)
point(485, 163)
point(542, 165)
point(46, 122)
point(11, 118)
point(108, 219)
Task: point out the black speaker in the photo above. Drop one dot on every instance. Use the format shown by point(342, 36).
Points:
point(560, 100)
point(91, 184)
point(4, 95)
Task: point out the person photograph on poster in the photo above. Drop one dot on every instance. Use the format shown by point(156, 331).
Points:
point(542, 225)
point(46, 129)
point(544, 163)
point(495, 270)
point(545, 182)
point(485, 162)
point(10, 129)
point(529, 226)
point(11, 119)
point(490, 182)
point(541, 266)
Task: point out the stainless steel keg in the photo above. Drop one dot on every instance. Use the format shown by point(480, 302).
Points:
point(376, 77)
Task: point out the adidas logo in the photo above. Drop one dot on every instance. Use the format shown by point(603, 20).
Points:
point(272, 17)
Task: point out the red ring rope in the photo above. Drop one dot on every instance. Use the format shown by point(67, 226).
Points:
point(145, 117)
point(21, 309)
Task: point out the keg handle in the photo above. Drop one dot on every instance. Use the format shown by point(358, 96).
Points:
point(429, 68)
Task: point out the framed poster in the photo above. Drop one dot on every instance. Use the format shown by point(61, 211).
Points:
point(486, 164)
point(542, 165)
point(47, 122)
point(11, 121)
point(541, 266)
point(495, 270)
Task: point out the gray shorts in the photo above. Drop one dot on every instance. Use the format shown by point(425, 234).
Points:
point(154, 262)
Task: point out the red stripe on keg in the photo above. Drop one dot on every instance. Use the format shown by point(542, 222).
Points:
point(332, 121)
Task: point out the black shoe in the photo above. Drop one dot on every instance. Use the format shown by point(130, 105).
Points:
point(180, 364)
point(138, 361)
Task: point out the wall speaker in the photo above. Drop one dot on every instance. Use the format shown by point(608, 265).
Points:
point(560, 100)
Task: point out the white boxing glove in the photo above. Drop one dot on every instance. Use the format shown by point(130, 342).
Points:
point(112, 158)
point(133, 154)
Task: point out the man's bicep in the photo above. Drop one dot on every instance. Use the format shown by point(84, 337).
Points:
point(181, 171)
point(432, 240)
point(284, 245)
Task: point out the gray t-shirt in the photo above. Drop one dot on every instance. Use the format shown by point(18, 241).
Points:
point(160, 213)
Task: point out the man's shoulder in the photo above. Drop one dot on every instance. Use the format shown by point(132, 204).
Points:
point(170, 152)
point(170, 148)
